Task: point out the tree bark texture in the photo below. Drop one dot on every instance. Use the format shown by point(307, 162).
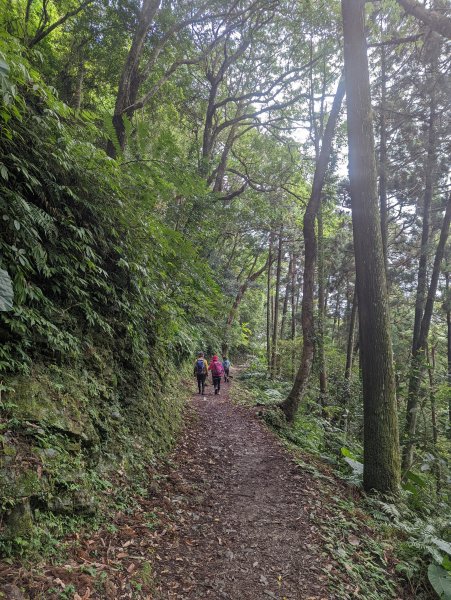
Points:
point(383, 159)
point(381, 443)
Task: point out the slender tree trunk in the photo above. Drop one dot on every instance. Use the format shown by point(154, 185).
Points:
point(336, 314)
point(320, 334)
point(268, 305)
point(350, 349)
point(78, 92)
point(207, 140)
point(293, 314)
point(350, 344)
point(381, 443)
point(291, 404)
point(427, 199)
point(253, 275)
point(275, 332)
point(286, 297)
point(418, 351)
point(448, 325)
point(326, 295)
point(431, 370)
point(220, 173)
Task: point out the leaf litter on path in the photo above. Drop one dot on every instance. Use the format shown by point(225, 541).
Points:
point(234, 517)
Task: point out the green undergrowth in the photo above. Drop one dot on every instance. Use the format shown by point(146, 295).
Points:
point(380, 544)
point(108, 304)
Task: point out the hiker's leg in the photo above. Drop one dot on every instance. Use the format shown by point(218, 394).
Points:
point(199, 383)
point(203, 384)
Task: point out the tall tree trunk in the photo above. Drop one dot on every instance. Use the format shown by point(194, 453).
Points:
point(321, 315)
point(78, 92)
point(381, 443)
point(336, 314)
point(383, 158)
point(130, 77)
point(418, 351)
point(448, 325)
point(286, 297)
point(350, 344)
point(350, 349)
point(275, 332)
point(431, 369)
point(293, 314)
point(326, 294)
point(207, 139)
point(429, 167)
point(285, 301)
point(221, 170)
point(268, 305)
point(291, 404)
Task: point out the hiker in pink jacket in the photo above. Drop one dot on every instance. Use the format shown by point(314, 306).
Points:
point(217, 371)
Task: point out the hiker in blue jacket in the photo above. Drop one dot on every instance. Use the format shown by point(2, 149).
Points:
point(226, 367)
point(201, 371)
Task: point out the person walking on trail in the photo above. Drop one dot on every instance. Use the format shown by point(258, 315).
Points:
point(217, 371)
point(226, 367)
point(201, 371)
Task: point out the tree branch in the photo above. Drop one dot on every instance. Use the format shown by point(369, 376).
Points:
point(396, 41)
point(44, 32)
point(437, 22)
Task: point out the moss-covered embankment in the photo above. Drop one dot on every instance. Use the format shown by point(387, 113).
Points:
point(72, 442)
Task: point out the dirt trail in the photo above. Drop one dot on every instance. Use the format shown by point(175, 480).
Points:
point(244, 530)
point(228, 515)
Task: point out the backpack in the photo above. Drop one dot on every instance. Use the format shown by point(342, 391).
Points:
point(226, 364)
point(200, 366)
point(217, 369)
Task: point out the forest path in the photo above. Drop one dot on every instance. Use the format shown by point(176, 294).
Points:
point(227, 515)
point(243, 528)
